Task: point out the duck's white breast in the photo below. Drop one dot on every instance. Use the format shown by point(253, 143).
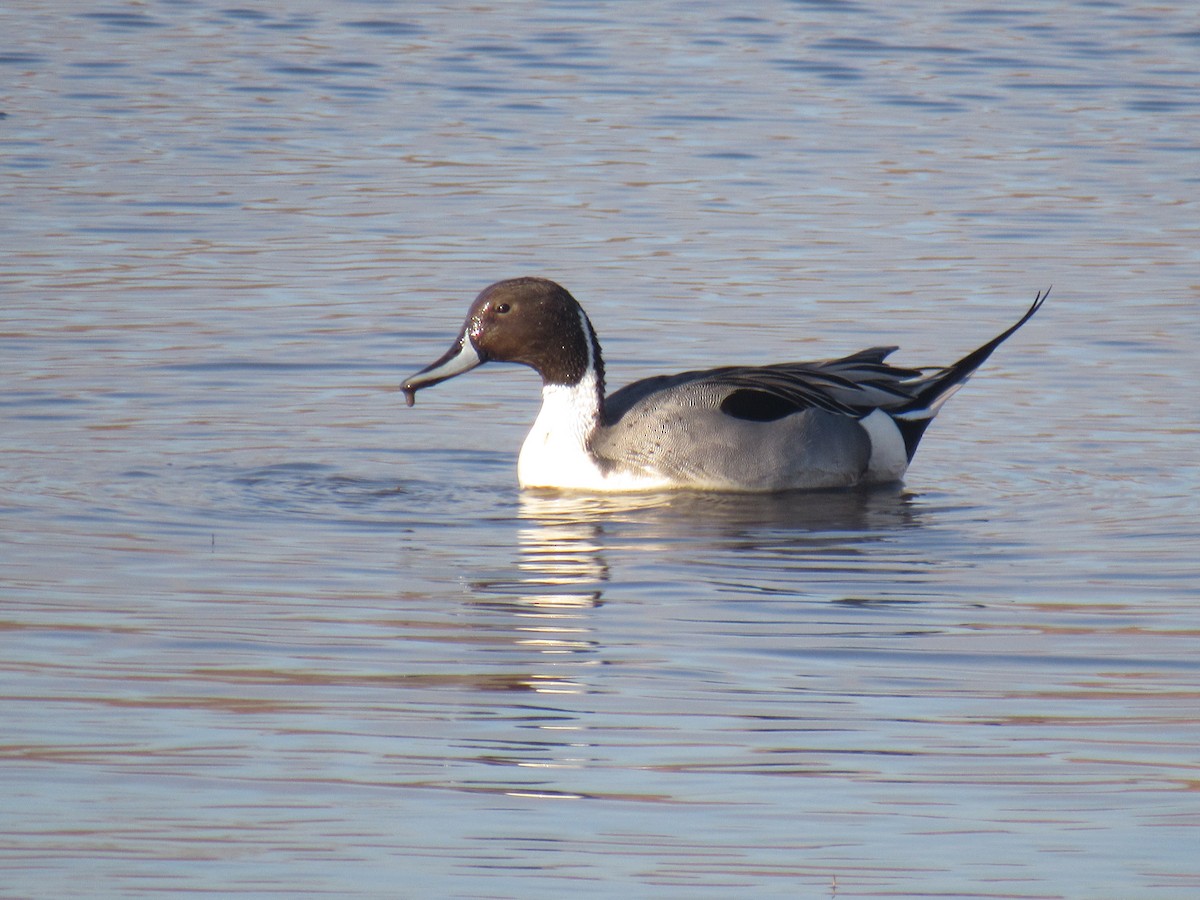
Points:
point(556, 455)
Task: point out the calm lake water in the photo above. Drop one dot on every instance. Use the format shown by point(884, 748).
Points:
point(267, 632)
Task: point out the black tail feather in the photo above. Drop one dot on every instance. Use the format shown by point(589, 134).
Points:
point(933, 390)
point(912, 430)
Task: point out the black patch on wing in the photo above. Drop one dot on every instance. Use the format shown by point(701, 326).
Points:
point(757, 406)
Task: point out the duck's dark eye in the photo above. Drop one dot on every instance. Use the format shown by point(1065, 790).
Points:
point(503, 308)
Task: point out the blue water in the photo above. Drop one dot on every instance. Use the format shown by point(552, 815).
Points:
point(268, 632)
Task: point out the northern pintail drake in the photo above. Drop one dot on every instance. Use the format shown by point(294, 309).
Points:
point(846, 422)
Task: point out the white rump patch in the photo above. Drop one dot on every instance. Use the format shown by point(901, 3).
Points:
point(889, 459)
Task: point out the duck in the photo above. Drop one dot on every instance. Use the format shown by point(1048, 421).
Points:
point(849, 422)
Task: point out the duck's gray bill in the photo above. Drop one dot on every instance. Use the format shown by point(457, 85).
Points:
point(462, 357)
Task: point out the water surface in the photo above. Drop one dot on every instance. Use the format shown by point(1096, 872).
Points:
point(269, 632)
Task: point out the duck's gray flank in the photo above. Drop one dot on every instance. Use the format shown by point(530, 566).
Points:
point(855, 420)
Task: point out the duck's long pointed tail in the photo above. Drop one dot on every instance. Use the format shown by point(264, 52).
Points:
point(936, 388)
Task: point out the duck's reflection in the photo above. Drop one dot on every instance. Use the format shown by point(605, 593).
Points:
point(559, 650)
point(564, 540)
point(713, 521)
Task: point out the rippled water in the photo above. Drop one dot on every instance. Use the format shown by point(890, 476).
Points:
point(268, 632)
